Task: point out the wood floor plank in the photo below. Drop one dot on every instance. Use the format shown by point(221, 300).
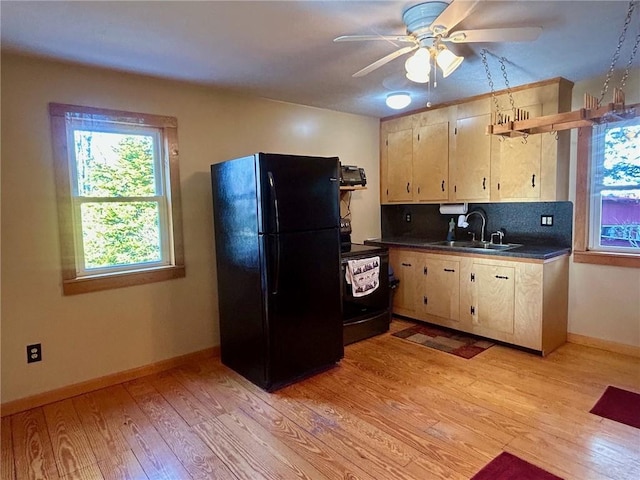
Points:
point(184, 402)
point(390, 409)
point(33, 452)
point(106, 439)
point(122, 466)
point(71, 446)
point(8, 467)
point(284, 459)
point(198, 459)
point(338, 437)
point(426, 452)
point(156, 458)
point(88, 472)
point(331, 464)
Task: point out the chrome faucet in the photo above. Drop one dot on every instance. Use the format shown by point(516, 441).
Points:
point(499, 234)
point(484, 222)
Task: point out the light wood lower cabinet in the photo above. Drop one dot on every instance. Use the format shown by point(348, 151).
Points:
point(493, 291)
point(405, 266)
point(522, 302)
point(440, 286)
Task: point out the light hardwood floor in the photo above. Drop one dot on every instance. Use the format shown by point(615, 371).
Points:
point(390, 410)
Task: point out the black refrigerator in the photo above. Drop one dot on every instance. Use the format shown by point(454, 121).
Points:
point(277, 246)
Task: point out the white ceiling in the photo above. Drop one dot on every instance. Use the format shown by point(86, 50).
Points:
point(283, 50)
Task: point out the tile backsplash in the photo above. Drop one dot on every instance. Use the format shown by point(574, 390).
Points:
point(521, 222)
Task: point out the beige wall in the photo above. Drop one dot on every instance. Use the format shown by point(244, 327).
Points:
point(95, 334)
point(604, 302)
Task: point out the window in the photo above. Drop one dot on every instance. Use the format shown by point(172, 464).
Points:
point(608, 194)
point(118, 197)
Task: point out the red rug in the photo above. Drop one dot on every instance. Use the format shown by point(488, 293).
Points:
point(619, 405)
point(450, 341)
point(509, 467)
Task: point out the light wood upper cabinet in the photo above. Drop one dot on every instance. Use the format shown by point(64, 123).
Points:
point(472, 174)
point(516, 166)
point(420, 151)
point(535, 168)
point(431, 162)
point(399, 149)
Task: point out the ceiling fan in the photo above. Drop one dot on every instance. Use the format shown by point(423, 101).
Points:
point(428, 28)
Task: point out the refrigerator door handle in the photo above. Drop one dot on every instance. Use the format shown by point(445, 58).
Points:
point(274, 199)
point(276, 281)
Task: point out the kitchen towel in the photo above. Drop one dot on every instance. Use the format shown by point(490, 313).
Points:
point(363, 275)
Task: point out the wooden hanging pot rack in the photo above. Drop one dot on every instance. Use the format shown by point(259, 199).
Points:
point(587, 116)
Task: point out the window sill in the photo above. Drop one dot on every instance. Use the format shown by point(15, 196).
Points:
point(118, 280)
point(606, 258)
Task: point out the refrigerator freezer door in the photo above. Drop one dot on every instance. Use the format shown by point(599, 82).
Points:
point(304, 311)
point(298, 193)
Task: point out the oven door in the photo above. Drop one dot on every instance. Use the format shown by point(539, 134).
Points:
point(357, 308)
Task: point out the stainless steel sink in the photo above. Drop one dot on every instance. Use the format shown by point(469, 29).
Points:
point(474, 245)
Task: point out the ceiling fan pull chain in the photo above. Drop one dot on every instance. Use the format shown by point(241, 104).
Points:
point(616, 54)
point(499, 118)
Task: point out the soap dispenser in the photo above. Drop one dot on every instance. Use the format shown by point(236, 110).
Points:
point(451, 234)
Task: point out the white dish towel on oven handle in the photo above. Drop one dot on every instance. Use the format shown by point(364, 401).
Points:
point(363, 275)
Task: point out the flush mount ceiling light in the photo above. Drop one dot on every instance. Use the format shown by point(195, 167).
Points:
point(398, 100)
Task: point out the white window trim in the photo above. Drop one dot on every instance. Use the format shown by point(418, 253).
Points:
point(76, 279)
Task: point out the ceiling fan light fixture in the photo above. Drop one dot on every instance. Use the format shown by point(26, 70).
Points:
point(419, 77)
point(398, 100)
point(448, 61)
point(418, 66)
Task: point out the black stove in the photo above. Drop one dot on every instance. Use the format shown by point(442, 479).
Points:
point(350, 250)
point(369, 315)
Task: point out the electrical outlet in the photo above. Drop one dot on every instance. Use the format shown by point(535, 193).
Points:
point(34, 353)
point(546, 220)
point(407, 217)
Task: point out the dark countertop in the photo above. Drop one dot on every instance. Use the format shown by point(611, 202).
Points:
point(532, 251)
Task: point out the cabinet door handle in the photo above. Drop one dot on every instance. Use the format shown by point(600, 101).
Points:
point(502, 277)
point(418, 189)
point(449, 270)
point(533, 180)
point(484, 183)
point(406, 264)
point(443, 185)
point(407, 187)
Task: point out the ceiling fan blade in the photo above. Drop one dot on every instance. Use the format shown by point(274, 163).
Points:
point(359, 38)
point(524, 34)
point(457, 11)
point(384, 60)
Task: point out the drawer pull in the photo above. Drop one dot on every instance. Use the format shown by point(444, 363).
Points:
point(502, 277)
point(406, 264)
point(449, 270)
